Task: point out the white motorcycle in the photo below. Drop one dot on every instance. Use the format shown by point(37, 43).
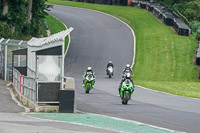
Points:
point(110, 71)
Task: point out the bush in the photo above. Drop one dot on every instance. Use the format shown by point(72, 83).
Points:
point(198, 36)
point(189, 8)
point(192, 10)
point(195, 25)
point(6, 30)
point(38, 28)
point(17, 19)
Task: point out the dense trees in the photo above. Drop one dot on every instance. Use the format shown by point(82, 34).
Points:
point(23, 17)
point(189, 8)
point(5, 7)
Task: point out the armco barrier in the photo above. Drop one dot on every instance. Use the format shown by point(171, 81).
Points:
point(143, 5)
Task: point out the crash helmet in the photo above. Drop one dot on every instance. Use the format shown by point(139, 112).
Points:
point(89, 68)
point(110, 62)
point(127, 66)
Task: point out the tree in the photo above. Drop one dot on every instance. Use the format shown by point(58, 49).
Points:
point(192, 11)
point(5, 7)
point(39, 9)
point(24, 17)
point(29, 14)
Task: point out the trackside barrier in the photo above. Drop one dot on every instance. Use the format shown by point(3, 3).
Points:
point(26, 86)
point(67, 96)
point(164, 14)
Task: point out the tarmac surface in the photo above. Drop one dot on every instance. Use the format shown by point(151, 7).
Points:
point(98, 38)
point(7, 105)
point(12, 120)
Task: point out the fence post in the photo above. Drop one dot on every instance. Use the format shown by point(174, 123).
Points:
point(23, 86)
point(20, 83)
point(17, 81)
point(5, 62)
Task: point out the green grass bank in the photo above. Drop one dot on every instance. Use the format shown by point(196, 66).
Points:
point(56, 26)
point(164, 60)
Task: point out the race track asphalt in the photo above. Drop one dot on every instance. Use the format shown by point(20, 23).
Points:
point(98, 38)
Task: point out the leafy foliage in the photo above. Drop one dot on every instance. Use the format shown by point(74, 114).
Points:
point(5, 31)
point(17, 17)
point(198, 36)
point(189, 8)
point(0, 7)
point(38, 24)
point(195, 25)
point(192, 11)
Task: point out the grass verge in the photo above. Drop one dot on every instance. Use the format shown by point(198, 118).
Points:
point(56, 26)
point(164, 60)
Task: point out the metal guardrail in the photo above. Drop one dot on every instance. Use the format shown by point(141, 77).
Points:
point(26, 86)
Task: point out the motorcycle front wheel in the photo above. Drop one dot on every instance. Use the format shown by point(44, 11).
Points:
point(88, 89)
point(126, 98)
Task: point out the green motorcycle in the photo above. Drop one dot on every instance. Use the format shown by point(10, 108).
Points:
point(126, 91)
point(89, 80)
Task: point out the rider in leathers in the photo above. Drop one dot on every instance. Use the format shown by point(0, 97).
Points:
point(125, 76)
point(89, 70)
point(108, 65)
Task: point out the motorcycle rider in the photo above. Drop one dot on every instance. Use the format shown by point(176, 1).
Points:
point(128, 69)
point(126, 76)
point(88, 71)
point(108, 65)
